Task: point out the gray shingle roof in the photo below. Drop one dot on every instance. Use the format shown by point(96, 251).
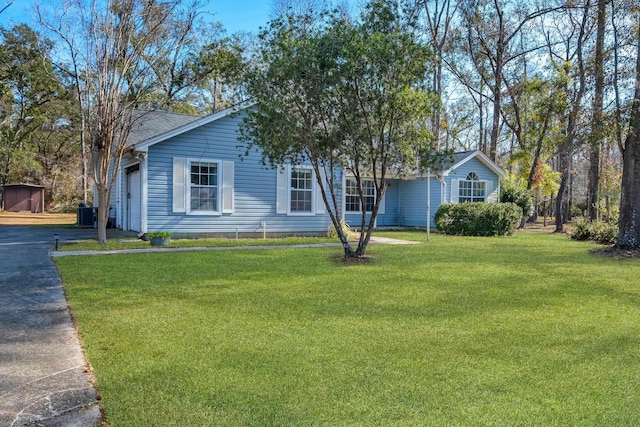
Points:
point(154, 123)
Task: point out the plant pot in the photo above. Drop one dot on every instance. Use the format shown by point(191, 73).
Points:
point(160, 241)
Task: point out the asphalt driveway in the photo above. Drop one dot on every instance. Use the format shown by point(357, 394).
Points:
point(44, 378)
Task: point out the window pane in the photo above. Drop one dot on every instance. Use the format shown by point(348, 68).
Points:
point(301, 190)
point(301, 179)
point(204, 190)
point(352, 204)
point(478, 190)
point(352, 199)
point(300, 201)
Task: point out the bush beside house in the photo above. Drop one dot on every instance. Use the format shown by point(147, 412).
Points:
point(478, 219)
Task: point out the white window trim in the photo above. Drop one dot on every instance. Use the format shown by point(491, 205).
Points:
point(312, 212)
point(349, 177)
point(218, 211)
point(487, 184)
point(381, 208)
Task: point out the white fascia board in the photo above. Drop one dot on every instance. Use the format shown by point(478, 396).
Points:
point(483, 158)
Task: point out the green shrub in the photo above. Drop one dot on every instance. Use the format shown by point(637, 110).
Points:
point(582, 230)
point(478, 219)
point(511, 192)
point(597, 231)
point(606, 232)
point(158, 234)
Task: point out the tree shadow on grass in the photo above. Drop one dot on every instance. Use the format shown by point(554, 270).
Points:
point(616, 253)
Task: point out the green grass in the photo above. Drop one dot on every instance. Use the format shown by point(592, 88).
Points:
point(526, 330)
point(133, 243)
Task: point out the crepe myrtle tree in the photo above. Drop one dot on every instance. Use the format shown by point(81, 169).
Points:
point(115, 48)
point(342, 94)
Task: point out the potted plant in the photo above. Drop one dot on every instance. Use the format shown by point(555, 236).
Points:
point(159, 238)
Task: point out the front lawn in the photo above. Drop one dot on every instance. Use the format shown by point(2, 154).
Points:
point(133, 243)
point(526, 330)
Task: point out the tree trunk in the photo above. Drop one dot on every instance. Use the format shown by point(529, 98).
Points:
point(593, 196)
point(560, 213)
point(598, 125)
point(497, 89)
point(629, 236)
point(103, 213)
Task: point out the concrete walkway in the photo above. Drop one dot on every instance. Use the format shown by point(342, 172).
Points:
point(44, 379)
point(374, 240)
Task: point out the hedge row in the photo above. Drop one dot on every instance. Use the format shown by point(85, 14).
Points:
point(478, 219)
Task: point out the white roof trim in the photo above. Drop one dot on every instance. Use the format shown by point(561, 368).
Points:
point(144, 145)
point(483, 158)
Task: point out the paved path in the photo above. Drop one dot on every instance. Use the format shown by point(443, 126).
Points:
point(43, 374)
point(374, 240)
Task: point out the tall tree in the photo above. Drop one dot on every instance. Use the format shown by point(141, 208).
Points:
point(492, 29)
point(629, 236)
point(342, 95)
point(31, 98)
point(597, 118)
point(439, 16)
point(117, 49)
point(574, 58)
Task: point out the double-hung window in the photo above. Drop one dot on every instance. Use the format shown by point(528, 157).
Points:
point(204, 187)
point(472, 189)
point(352, 197)
point(301, 191)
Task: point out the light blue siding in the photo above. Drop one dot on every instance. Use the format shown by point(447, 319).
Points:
point(254, 187)
point(390, 214)
point(473, 165)
point(413, 201)
point(405, 204)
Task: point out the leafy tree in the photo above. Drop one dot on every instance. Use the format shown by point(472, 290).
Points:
point(438, 17)
point(598, 125)
point(35, 105)
point(513, 190)
point(572, 55)
point(342, 95)
point(116, 50)
point(219, 69)
point(493, 30)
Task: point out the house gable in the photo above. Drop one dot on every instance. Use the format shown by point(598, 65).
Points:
point(472, 165)
point(466, 156)
point(189, 126)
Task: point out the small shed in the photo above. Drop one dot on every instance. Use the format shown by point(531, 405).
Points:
point(23, 198)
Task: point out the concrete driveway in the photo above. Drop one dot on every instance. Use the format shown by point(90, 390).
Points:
point(44, 378)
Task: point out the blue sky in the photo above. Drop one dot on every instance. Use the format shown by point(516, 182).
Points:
point(236, 15)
